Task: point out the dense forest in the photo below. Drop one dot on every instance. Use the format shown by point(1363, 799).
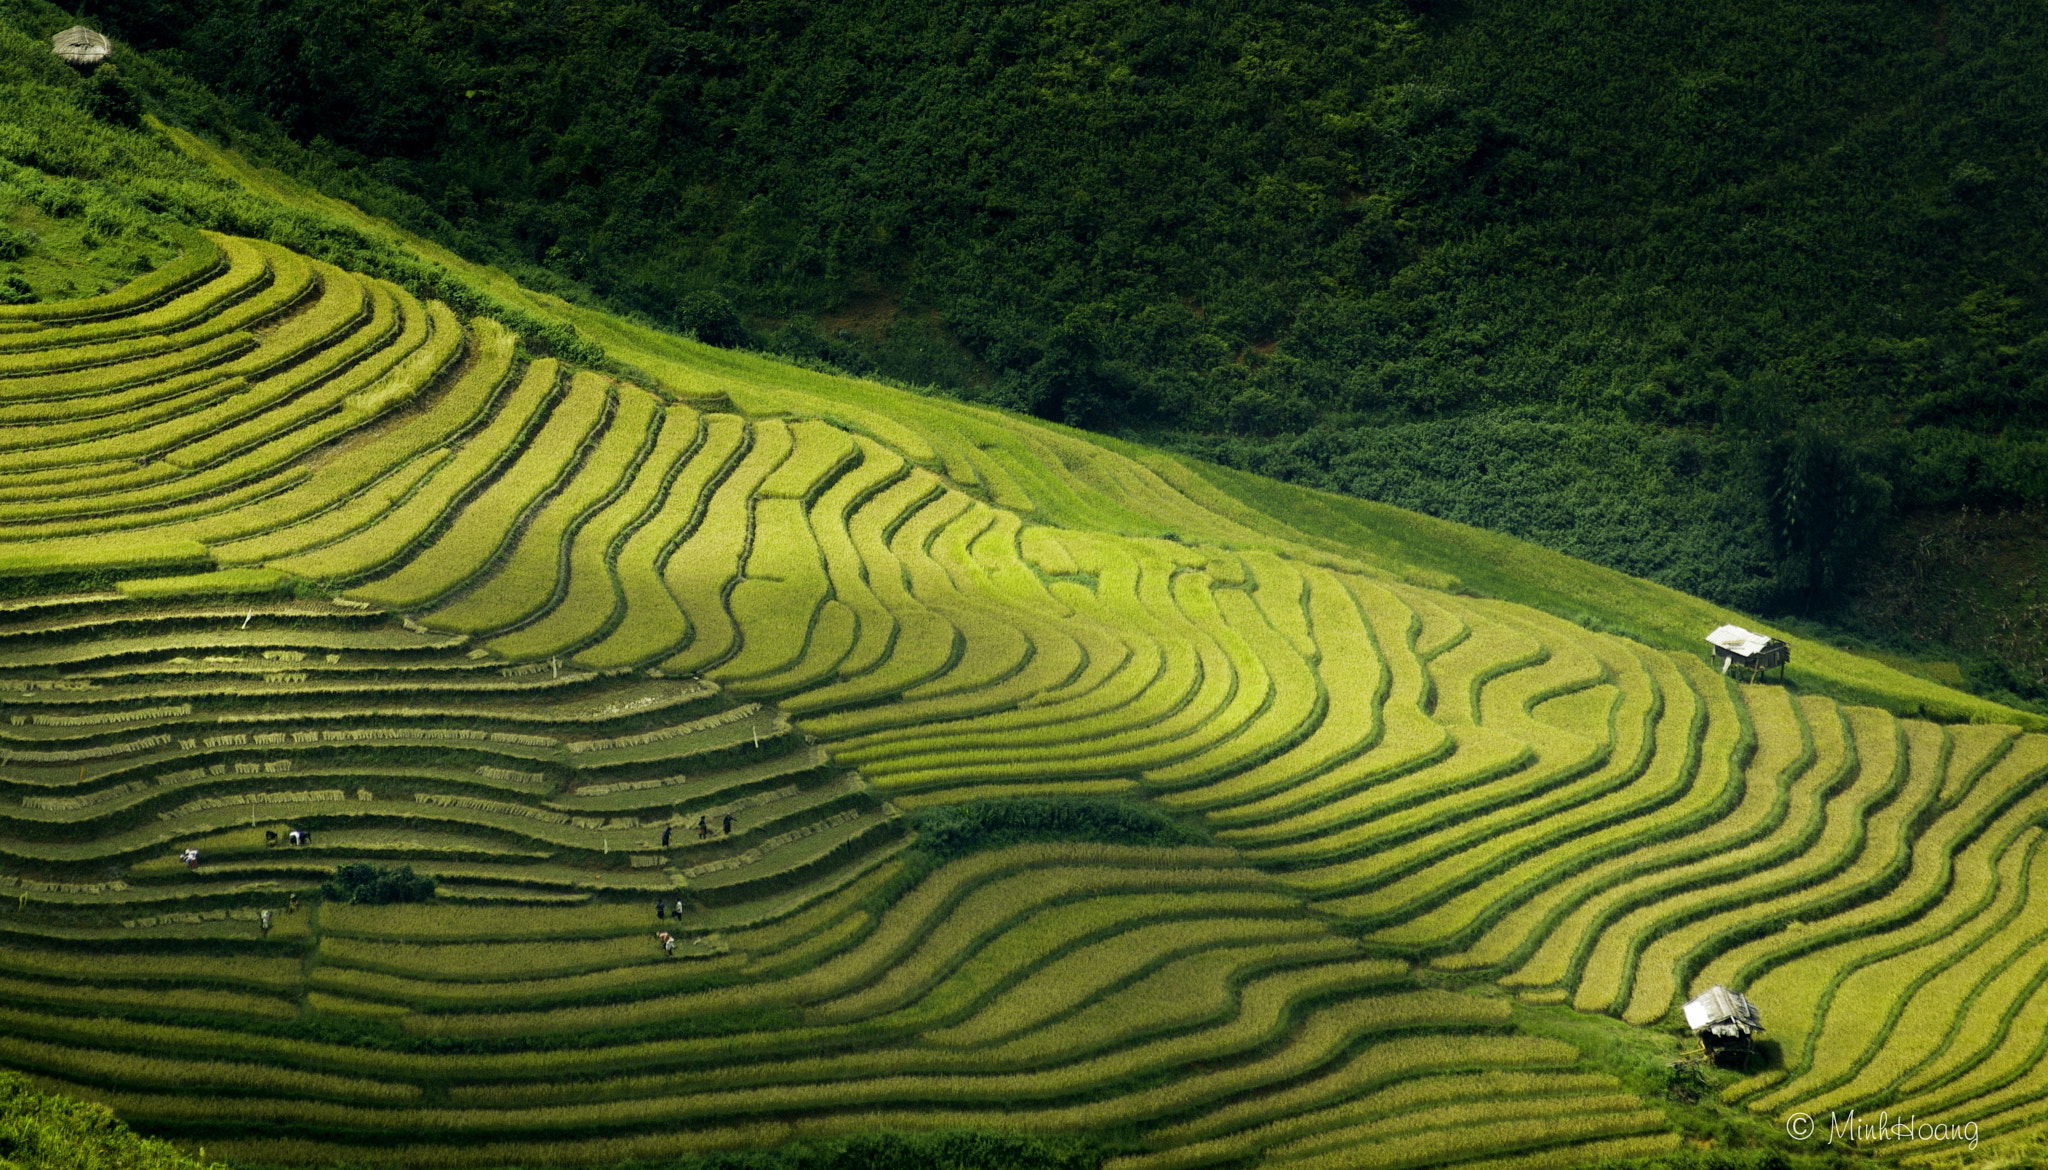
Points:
point(1747, 297)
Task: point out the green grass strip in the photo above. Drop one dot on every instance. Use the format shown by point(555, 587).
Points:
point(924, 643)
point(1386, 1080)
point(830, 517)
point(775, 604)
point(1154, 671)
point(1648, 776)
point(70, 422)
point(94, 556)
point(1817, 841)
point(1076, 867)
point(1354, 675)
point(1001, 930)
point(431, 342)
point(1886, 968)
point(1071, 981)
point(1721, 810)
point(176, 434)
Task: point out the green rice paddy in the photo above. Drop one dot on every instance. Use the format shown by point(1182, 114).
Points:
point(291, 550)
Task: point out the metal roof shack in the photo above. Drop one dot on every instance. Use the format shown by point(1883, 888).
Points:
point(1724, 1013)
point(1755, 653)
point(81, 46)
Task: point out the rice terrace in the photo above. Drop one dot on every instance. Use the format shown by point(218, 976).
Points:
point(755, 755)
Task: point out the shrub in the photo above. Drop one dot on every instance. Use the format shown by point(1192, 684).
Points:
point(43, 1129)
point(950, 831)
point(711, 318)
point(106, 95)
point(361, 883)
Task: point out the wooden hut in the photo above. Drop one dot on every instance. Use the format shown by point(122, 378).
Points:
point(1755, 653)
point(1718, 1011)
point(1724, 1021)
point(81, 46)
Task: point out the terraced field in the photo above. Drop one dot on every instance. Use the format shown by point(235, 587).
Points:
point(298, 551)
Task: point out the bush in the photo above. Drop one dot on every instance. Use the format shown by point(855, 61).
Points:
point(711, 318)
point(15, 243)
point(106, 95)
point(44, 1129)
point(949, 831)
point(362, 884)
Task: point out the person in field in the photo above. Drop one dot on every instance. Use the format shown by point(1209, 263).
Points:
point(704, 826)
point(664, 835)
point(659, 910)
point(728, 824)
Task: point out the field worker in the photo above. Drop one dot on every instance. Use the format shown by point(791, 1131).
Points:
point(728, 824)
point(660, 910)
point(292, 906)
point(191, 858)
point(266, 922)
point(292, 836)
point(664, 835)
point(679, 909)
point(668, 946)
point(704, 826)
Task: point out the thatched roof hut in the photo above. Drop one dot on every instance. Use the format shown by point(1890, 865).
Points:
point(81, 46)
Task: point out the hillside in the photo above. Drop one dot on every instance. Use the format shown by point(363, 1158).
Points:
point(1742, 298)
point(1108, 806)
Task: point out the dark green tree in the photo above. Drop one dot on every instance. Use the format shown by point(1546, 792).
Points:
point(361, 883)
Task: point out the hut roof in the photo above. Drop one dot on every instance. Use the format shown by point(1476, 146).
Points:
point(1723, 1012)
point(80, 45)
point(1737, 640)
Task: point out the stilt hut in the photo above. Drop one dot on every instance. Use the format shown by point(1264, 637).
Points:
point(1724, 1021)
point(1755, 653)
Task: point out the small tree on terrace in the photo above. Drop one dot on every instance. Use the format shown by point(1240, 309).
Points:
point(373, 885)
